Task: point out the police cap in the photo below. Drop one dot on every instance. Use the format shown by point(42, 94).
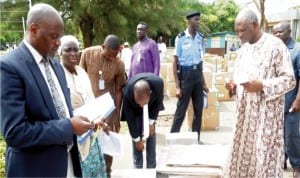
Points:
point(192, 14)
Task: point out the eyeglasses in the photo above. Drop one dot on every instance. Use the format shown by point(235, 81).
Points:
point(68, 50)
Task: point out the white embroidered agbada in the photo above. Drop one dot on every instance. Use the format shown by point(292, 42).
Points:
point(257, 148)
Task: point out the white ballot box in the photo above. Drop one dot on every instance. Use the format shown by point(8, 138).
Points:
point(191, 161)
point(182, 138)
point(133, 173)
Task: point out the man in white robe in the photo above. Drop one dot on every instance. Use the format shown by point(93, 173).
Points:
point(263, 74)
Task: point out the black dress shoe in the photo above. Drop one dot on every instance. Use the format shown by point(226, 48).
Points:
point(285, 165)
point(285, 161)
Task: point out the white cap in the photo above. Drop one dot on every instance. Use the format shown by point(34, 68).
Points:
point(65, 39)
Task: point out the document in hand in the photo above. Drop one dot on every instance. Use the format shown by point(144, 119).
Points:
point(205, 102)
point(110, 144)
point(95, 111)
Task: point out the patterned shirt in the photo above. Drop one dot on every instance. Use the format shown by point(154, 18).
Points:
point(257, 148)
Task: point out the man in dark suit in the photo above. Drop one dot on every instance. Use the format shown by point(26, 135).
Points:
point(36, 118)
point(142, 89)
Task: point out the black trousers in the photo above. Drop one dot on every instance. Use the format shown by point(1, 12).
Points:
point(191, 86)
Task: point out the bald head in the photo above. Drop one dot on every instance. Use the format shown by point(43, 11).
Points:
point(283, 26)
point(142, 86)
point(40, 13)
point(247, 26)
point(282, 30)
point(112, 42)
point(141, 92)
point(44, 29)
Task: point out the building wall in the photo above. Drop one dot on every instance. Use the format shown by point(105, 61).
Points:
point(221, 43)
point(293, 16)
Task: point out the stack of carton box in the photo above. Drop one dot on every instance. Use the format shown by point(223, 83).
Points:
point(171, 85)
point(163, 75)
point(230, 59)
point(224, 69)
point(211, 114)
point(216, 70)
point(220, 80)
point(232, 56)
point(213, 60)
point(166, 73)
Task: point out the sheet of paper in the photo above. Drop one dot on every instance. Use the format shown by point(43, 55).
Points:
point(110, 144)
point(80, 139)
point(146, 121)
point(205, 104)
point(97, 109)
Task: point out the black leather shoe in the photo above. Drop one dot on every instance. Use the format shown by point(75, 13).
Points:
point(285, 161)
point(285, 165)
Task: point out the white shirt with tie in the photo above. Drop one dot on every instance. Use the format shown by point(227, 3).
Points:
point(38, 59)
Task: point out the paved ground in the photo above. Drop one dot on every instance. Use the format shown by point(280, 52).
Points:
point(223, 135)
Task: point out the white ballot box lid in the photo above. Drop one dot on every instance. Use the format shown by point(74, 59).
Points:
point(182, 138)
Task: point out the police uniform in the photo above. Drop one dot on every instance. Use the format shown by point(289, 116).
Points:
point(190, 53)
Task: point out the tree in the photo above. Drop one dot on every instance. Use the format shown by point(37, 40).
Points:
point(215, 17)
point(92, 20)
point(260, 5)
point(12, 15)
point(98, 18)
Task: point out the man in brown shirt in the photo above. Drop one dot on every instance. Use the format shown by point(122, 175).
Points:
point(107, 74)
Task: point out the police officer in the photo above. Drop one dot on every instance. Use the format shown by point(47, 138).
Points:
point(187, 69)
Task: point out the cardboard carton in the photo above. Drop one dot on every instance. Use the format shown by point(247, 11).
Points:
point(171, 89)
point(210, 118)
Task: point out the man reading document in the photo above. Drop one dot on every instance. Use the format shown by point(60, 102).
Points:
point(263, 74)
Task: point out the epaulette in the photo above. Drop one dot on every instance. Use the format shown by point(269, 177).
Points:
point(201, 35)
point(181, 35)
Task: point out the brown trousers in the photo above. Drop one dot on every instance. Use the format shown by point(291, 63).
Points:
point(108, 162)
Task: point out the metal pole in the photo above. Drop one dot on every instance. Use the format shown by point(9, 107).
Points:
point(23, 21)
point(29, 4)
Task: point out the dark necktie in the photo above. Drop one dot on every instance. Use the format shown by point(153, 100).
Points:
point(58, 102)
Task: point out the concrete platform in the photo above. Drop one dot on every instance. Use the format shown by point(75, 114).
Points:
point(223, 135)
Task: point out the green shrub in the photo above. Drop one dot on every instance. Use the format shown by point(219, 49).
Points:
point(2, 156)
point(298, 39)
